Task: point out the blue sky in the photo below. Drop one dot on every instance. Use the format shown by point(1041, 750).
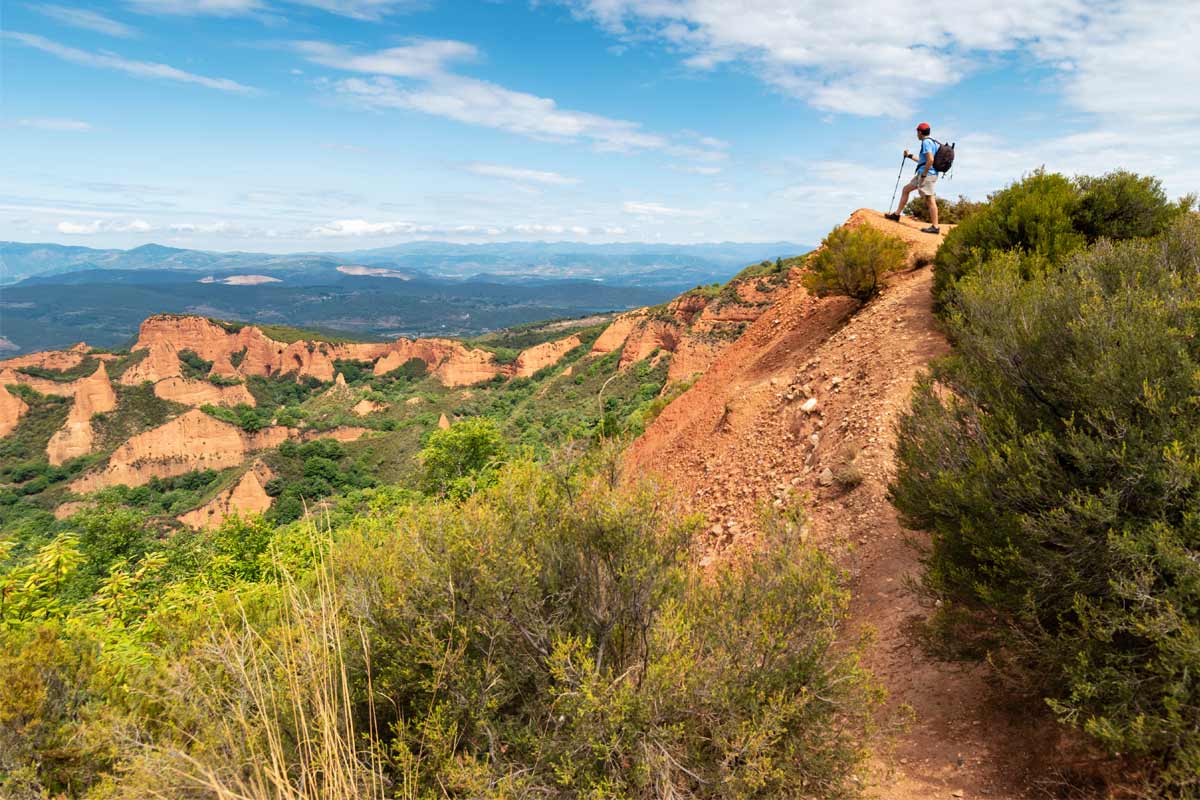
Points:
point(338, 124)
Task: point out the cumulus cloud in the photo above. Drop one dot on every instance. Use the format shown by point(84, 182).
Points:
point(86, 20)
point(521, 175)
point(55, 124)
point(348, 228)
point(140, 69)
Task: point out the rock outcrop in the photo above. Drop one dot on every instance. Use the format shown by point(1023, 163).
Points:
point(364, 407)
point(444, 422)
point(617, 332)
point(192, 441)
point(247, 496)
point(50, 359)
point(92, 395)
point(12, 408)
point(160, 363)
point(40, 385)
point(200, 393)
point(249, 352)
point(343, 433)
point(544, 355)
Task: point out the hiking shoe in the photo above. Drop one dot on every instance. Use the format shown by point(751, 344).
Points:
point(892, 217)
point(931, 229)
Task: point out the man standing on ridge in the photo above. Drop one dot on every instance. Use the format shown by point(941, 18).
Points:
point(924, 181)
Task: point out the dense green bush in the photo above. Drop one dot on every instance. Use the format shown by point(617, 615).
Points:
point(1123, 205)
point(457, 460)
point(1049, 216)
point(1054, 458)
point(1033, 215)
point(853, 261)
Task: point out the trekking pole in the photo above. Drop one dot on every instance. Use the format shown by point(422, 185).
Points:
point(898, 176)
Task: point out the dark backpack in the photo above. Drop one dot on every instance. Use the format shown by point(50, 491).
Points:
point(943, 159)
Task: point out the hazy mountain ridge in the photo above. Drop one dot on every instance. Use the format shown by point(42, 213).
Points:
point(619, 262)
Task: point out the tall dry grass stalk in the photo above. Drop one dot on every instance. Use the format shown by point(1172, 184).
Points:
point(283, 724)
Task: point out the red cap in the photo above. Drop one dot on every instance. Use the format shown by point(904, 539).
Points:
point(924, 126)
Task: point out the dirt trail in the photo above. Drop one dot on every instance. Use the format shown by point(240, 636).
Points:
point(742, 437)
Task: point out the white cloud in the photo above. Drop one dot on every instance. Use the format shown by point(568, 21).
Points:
point(86, 20)
point(356, 9)
point(521, 175)
point(856, 56)
point(55, 124)
point(196, 8)
point(643, 209)
point(427, 85)
point(361, 227)
point(103, 226)
point(140, 69)
point(418, 59)
point(701, 170)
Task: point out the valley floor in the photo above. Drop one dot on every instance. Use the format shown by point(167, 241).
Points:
point(741, 438)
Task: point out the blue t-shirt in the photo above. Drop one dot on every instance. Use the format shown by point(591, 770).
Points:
point(928, 145)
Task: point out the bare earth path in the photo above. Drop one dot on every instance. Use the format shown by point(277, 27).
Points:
point(741, 437)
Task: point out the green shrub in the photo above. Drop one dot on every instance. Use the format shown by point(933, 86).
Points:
point(1122, 205)
point(1054, 460)
point(853, 261)
point(193, 366)
point(457, 460)
point(547, 638)
point(1034, 215)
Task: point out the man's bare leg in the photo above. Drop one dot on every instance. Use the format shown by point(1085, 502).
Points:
point(903, 200)
point(931, 201)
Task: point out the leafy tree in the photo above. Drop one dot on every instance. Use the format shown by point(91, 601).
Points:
point(853, 261)
point(1054, 460)
point(458, 459)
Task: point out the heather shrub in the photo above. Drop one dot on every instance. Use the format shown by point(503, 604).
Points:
point(853, 261)
point(1054, 460)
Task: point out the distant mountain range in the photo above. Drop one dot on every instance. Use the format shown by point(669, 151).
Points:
point(56, 295)
point(668, 266)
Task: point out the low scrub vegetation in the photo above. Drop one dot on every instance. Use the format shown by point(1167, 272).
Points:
point(1054, 459)
point(853, 262)
point(950, 212)
point(545, 637)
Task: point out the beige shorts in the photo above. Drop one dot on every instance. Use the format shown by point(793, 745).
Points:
point(924, 184)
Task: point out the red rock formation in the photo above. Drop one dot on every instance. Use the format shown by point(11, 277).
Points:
point(617, 332)
point(651, 335)
point(247, 496)
point(444, 422)
point(364, 407)
point(49, 359)
point(189, 442)
point(41, 385)
point(200, 393)
point(544, 355)
point(12, 408)
point(160, 363)
point(93, 395)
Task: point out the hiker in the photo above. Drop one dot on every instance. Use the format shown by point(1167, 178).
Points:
point(924, 181)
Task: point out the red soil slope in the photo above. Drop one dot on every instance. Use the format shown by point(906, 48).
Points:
point(749, 433)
